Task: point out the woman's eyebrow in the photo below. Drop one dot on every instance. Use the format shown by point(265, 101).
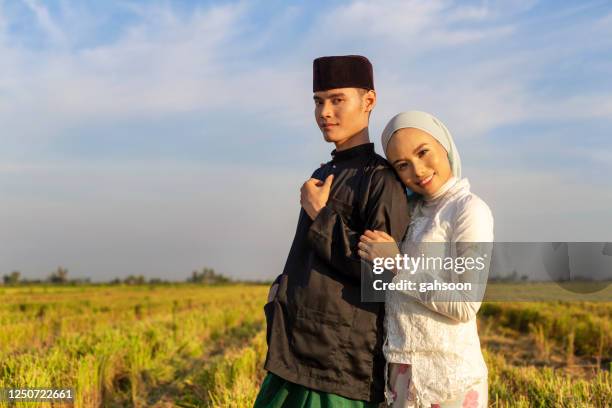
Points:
point(419, 146)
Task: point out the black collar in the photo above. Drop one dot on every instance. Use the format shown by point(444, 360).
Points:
point(359, 150)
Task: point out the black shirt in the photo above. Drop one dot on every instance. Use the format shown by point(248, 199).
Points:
point(319, 333)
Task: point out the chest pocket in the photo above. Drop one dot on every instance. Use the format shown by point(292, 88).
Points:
point(343, 208)
point(346, 211)
point(344, 195)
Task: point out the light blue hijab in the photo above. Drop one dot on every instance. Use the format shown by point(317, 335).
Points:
point(427, 123)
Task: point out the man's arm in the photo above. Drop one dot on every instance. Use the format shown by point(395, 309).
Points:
point(274, 288)
point(386, 209)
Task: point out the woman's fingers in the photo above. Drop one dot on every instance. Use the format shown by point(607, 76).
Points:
point(389, 237)
point(363, 254)
point(364, 246)
point(384, 235)
point(371, 235)
point(365, 251)
point(364, 238)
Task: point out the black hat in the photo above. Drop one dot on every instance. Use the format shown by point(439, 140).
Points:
point(343, 71)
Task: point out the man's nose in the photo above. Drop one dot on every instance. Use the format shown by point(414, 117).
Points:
point(326, 110)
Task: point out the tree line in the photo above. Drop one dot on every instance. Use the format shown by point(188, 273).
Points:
point(205, 276)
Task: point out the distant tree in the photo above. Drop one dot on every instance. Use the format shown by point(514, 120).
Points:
point(134, 280)
point(12, 279)
point(512, 277)
point(207, 277)
point(60, 276)
point(80, 281)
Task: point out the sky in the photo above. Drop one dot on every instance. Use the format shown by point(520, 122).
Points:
point(160, 137)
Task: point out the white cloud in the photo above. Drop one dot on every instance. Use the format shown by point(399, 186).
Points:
point(172, 62)
point(405, 28)
point(51, 29)
point(473, 66)
point(167, 63)
point(478, 78)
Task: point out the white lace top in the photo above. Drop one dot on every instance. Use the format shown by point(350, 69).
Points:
point(439, 339)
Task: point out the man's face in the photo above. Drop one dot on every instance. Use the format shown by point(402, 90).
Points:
point(343, 112)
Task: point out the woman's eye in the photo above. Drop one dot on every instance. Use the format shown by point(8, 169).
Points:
point(422, 152)
point(337, 100)
point(402, 166)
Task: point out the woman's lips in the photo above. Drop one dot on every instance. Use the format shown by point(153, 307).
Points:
point(426, 181)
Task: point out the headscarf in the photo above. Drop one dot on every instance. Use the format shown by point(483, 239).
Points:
point(427, 123)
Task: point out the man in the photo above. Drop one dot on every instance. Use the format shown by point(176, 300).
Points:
point(324, 344)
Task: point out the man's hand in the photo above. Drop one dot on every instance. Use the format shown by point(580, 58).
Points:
point(314, 195)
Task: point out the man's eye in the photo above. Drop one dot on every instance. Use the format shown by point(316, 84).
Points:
point(337, 100)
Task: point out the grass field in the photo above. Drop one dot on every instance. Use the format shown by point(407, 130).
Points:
point(199, 346)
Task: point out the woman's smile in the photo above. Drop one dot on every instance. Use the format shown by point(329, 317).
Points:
point(424, 182)
point(420, 160)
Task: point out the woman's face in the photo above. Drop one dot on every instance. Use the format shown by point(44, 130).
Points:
point(420, 160)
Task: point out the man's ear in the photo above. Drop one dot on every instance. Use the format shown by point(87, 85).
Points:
point(369, 99)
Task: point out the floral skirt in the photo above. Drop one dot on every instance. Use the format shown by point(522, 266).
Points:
point(403, 392)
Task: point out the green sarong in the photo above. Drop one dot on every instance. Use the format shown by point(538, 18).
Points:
point(276, 392)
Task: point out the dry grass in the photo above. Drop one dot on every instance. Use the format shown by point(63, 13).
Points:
point(197, 346)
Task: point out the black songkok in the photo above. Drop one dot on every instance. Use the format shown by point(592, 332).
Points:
point(344, 71)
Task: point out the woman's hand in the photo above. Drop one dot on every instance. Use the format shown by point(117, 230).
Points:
point(377, 244)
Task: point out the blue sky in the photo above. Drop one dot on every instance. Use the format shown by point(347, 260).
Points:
point(160, 137)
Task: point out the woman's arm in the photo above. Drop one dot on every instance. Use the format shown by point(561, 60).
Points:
point(471, 239)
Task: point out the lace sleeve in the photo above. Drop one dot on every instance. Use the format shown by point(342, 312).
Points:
point(450, 287)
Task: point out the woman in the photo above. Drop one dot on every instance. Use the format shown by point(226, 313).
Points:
point(432, 346)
